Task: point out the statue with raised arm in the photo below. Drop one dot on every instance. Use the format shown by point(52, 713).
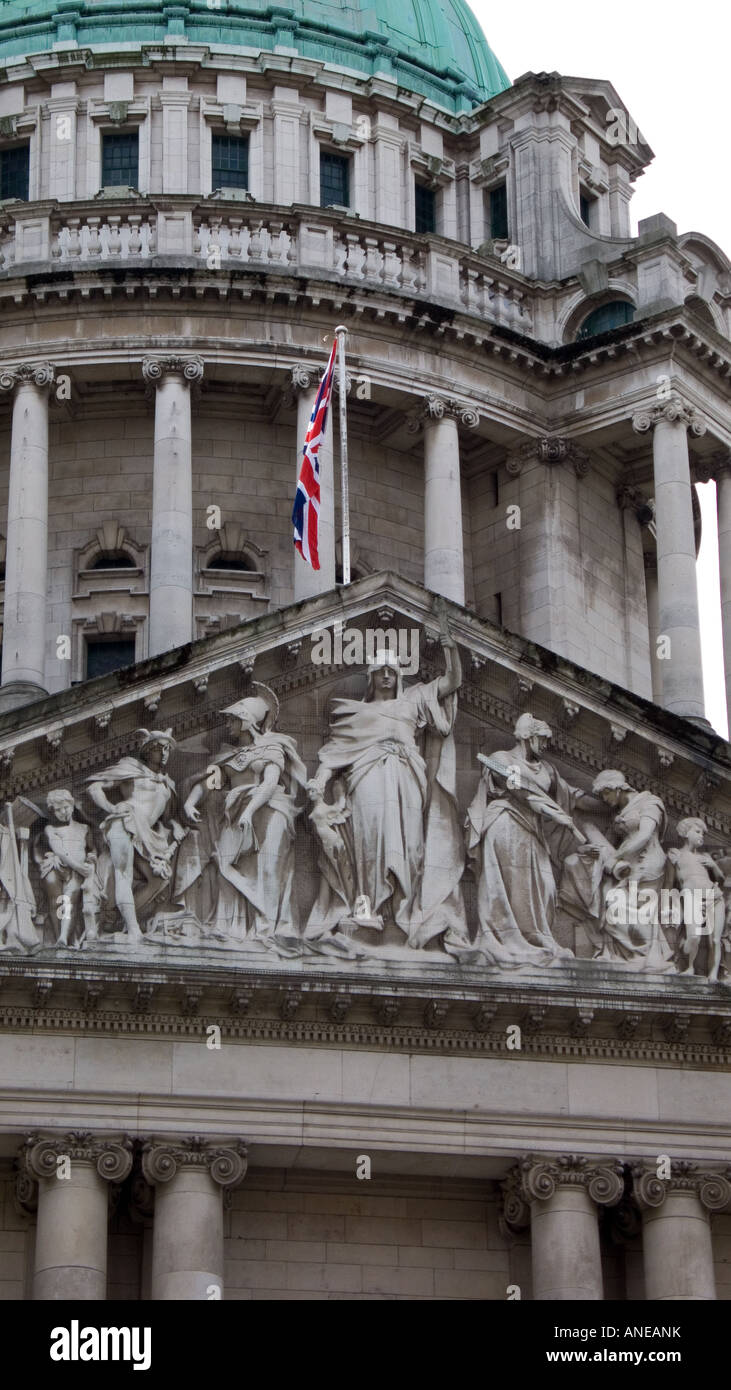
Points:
point(236, 872)
point(519, 831)
point(68, 869)
point(391, 857)
point(141, 843)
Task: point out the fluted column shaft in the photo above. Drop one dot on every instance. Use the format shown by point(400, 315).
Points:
point(653, 625)
point(682, 681)
point(443, 540)
point(73, 1176)
point(26, 571)
point(723, 502)
point(308, 581)
point(171, 555)
point(676, 1232)
point(187, 1246)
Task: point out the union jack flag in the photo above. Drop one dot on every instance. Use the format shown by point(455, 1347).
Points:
point(306, 510)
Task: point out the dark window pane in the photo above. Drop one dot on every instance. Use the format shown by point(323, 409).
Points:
point(499, 213)
point(426, 209)
point(220, 562)
point(120, 160)
point(612, 315)
point(112, 562)
point(103, 656)
point(585, 209)
point(14, 171)
point(334, 180)
point(230, 161)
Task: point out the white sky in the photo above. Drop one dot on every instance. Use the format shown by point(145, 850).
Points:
point(669, 63)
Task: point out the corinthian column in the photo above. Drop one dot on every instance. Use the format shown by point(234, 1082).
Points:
point(190, 1176)
point(562, 1195)
point(26, 572)
point(676, 1232)
point(682, 679)
point(443, 538)
point(308, 582)
point(73, 1174)
point(171, 557)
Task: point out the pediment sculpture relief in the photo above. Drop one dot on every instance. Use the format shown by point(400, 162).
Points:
point(201, 845)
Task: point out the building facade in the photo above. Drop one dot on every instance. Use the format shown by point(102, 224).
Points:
point(328, 973)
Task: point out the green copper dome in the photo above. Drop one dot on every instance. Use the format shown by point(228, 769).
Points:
point(432, 47)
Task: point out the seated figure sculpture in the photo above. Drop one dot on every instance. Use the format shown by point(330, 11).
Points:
point(141, 845)
point(391, 859)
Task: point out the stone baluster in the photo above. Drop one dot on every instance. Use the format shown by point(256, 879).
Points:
point(682, 679)
point(560, 1197)
point(676, 1231)
point(171, 558)
point(73, 1174)
point(307, 581)
point(26, 574)
point(189, 1177)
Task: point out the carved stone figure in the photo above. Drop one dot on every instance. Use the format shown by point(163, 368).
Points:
point(236, 873)
point(704, 909)
point(68, 872)
point(391, 856)
point(630, 928)
point(18, 931)
point(141, 845)
point(519, 829)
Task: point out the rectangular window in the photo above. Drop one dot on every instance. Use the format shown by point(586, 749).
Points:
point(499, 213)
point(426, 209)
point(230, 161)
point(14, 172)
point(103, 655)
point(334, 180)
point(120, 160)
point(585, 208)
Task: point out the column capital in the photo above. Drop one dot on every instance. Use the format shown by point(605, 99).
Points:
point(713, 1189)
point(433, 407)
point(112, 1157)
point(155, 369)
point(673, 411)
point(39, 374)
point(541, 1178)
point(549, 449)
point(163, 1158)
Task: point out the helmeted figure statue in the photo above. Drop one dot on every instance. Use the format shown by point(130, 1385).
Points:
point(391, 852)
point(141, 844)
point(519, 830)
point(236, 873)
point(68, 871)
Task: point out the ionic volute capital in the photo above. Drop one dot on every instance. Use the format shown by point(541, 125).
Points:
point(163, 1159)
point(43, 1157)
point(39, 374)
point(434, 407)
point(542, 1178)
point(155, 369)
point(673, 411)
point(649, 1189)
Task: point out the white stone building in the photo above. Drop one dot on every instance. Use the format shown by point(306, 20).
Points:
point(192, 198)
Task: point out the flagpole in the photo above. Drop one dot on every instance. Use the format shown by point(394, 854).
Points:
point(340, 333)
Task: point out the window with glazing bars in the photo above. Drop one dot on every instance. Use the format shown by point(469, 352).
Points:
point(426, 208)
point(14, 172)
point(230, 154)
point(120, 160)
point(334, 180)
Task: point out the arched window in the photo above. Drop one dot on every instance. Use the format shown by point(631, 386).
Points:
point(116, 560)
point(238, 563)
point(607, 316)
